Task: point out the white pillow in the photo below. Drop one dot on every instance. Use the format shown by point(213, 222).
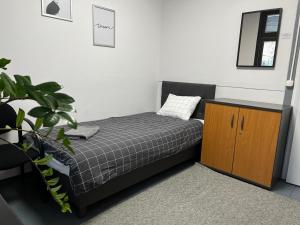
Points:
point(179, 106)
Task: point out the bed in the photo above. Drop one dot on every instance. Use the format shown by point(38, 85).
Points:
point(129, 149)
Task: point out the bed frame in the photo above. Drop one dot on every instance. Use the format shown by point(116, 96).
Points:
point(117, 184)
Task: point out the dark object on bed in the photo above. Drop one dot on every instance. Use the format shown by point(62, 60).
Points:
point(205, 91)
point(126, 180)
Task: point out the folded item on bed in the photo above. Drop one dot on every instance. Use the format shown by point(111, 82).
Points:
point(123, 145)
point(82, 132)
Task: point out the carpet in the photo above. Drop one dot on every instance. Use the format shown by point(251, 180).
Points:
point(199, 195)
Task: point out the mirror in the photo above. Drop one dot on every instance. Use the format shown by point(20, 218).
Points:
point(259, 36)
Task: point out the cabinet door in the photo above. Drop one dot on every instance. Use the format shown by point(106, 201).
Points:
point(220, 125)
point(256, 144)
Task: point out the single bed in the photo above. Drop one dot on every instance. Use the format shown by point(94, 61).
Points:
point(129, 149)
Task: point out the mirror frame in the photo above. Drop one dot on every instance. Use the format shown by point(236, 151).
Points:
point(277, 40)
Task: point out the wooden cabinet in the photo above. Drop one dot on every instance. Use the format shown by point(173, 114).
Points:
point(219, 136)
point(256, 143)
point(245, 139)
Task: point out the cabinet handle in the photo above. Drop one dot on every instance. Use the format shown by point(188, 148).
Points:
point(243, 123)
point(232, 121)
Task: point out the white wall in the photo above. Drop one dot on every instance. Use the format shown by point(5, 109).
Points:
point(200, 42)
point(293, 175)
point(104, 81)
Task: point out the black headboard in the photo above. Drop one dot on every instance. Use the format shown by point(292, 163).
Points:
point(205, 91)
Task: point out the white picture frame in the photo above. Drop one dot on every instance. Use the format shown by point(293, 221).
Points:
point(104, 27)
point(58, 9)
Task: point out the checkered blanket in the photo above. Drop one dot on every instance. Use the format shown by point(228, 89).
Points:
point(123, 144)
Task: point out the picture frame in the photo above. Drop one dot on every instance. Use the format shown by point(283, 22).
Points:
point(58, 9)
point(104, 27)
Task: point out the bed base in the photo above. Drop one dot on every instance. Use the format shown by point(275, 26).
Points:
point(120, 183)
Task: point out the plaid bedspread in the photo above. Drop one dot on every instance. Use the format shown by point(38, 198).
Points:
point(124, 144)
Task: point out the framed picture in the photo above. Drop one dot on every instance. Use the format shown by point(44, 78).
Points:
point(104, 27)
point(59, 9)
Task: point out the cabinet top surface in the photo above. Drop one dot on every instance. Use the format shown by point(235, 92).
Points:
point(250, 104)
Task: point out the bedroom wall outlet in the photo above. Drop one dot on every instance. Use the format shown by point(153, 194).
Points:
point(290, 83)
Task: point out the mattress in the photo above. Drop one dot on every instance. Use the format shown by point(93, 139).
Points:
point(122, 145)
point(58, 166)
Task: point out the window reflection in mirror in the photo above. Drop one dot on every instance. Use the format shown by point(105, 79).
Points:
point(259, 38)
point(268, 53)
point(272, 23)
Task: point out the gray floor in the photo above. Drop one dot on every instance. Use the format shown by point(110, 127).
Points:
point(25, 199)
point(288, 190)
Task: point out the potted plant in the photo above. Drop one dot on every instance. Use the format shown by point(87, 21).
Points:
point(51, 108)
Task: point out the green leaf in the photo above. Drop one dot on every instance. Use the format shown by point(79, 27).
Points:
point(43, 161)
point(49, 131)
point(20, 92)
point(4, 62)
point(26, 146)
point(63, 98)
point(44, 100)
point(48, 172)
point(70, 149)
point(23, 84)
point(51, 102)
point(20, 117)
point(39, 112)
point(38, 97)
point(2, 87)
point(51, 119)
point(60, 134)
point(9, 85)
point(5, 93)
point(56, 189)
point(65, 107)
point(72, 122)
point(38, 123)
point(72, 125)
point(60, 196)
point(66, 208)
point(48, 87)
point(66, 142)
point(53, 182)
point(66, 198)
point(23, 80)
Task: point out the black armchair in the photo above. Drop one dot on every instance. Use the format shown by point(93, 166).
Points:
point(10, 156)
